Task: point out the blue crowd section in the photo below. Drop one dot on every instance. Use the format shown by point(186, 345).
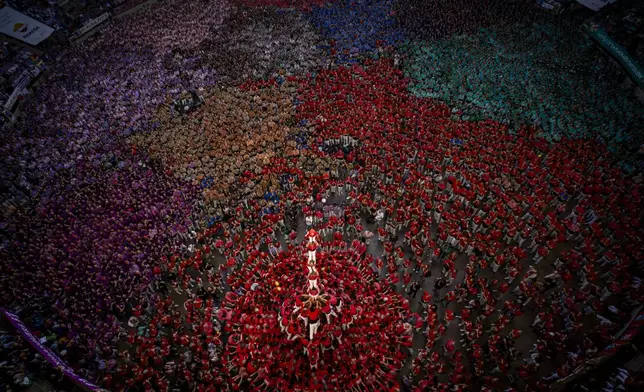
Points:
point(357, 27)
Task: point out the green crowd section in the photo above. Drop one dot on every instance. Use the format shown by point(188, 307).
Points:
point(541, 74)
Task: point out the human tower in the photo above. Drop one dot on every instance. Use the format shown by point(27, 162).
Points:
point(318, 311)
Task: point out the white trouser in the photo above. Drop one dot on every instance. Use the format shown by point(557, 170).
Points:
point(328, 316)
point(313, 329)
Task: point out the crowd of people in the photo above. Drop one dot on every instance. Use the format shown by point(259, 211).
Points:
point(64, 17)
point(155, 29)
point(22, 367)
point(19, 69)
point(259, 43)
point(214, 150)
point(293, 4)
point(162, 250)
point(524, 218)
point(41, 11)
point(315, 318)
point(357, 28)
point(545, 75)
point(443, 18)
point(77, 262)
point(17, 362)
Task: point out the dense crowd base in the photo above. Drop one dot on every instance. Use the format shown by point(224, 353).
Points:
point(452, 249)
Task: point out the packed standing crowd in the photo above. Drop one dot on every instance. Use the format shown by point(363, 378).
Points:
point(155, 250)
point(443, 18)
point(357, 28)
point(259, 43)
point(22, 367)
point(531, 76)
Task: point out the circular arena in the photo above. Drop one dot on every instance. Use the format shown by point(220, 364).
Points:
point(321, 195)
